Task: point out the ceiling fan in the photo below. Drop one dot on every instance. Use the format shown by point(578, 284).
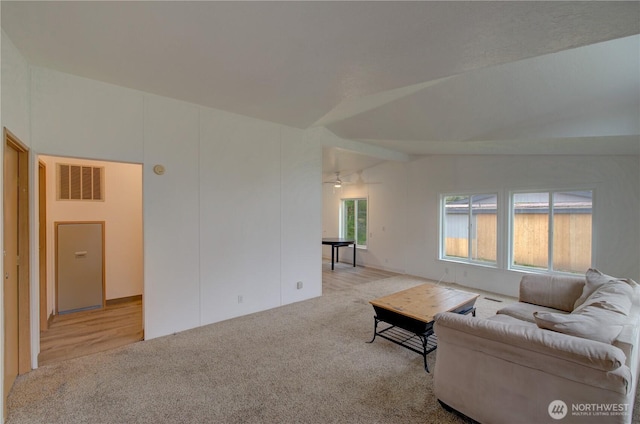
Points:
point(359, 182)
point(337, 182)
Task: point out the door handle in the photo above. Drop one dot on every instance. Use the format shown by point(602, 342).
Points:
point(6, 275)
point(83, 253)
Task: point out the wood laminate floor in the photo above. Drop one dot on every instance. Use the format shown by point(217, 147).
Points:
point(346, 275)
point(83, 333)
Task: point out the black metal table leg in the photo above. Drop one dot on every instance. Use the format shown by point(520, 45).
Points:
point(354, 254)
point(424, 352)
point(332, 258)
point(375, 329)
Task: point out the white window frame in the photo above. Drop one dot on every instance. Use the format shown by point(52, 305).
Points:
point(443, 229)
point(511, 218)
point(342, 223)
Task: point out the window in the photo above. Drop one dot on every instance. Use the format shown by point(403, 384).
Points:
point(551, 230)
point(469, 230)
point(77, 182)
point(354, 221)
point(546, 230)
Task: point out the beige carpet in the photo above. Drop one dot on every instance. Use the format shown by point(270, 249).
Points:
point(303, 363)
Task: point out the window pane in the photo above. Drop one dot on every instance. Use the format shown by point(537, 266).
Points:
point(572, 231)
point(484, 228)
point(362, 223)
point(349, 219)
point(456, 242)
point(531, 230)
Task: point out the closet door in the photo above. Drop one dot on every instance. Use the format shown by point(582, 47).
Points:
point(79, 266)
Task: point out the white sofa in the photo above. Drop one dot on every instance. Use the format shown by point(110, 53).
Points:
point(567, 352)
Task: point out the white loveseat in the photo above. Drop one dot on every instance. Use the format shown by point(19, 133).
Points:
point(567, 352)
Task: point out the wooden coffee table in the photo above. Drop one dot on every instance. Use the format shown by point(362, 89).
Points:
point(409, 315)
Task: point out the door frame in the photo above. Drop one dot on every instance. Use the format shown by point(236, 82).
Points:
point(42, 244)
point(104, 266)
point(24, 311)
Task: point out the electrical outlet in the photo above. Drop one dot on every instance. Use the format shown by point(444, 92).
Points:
point(240, 299)
point(299, 285)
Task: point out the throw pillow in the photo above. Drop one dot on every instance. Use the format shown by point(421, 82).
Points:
point(600, 318)
point(614, 296)
point(586, 326)
point(595, 279)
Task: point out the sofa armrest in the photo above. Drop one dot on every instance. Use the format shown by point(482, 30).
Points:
point(627, 340)
point(553, 291)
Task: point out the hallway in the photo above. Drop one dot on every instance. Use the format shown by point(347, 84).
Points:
point(83, 333)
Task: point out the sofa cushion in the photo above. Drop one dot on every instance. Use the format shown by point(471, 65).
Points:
point(601, 317)
point(524, 311)
point(615, 296)
point(590, 353)
point(506, 319)
point(595, 279)
point(553, 291)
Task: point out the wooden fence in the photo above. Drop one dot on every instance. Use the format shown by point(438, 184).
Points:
point(572, 241)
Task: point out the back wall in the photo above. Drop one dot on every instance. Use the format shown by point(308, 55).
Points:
point(404, 210)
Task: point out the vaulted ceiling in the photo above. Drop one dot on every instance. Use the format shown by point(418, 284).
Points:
point(415, 77)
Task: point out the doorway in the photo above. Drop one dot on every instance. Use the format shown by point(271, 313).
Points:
point(85, 194)
point(17, 342)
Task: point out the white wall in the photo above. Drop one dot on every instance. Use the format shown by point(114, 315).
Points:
point(240, 206)
point(214, 222)
point(78, 117)
point(300, 220)
point(122, 213)
point(171, 216)
point(406, 205)
point(616, 197)
point(15, 91)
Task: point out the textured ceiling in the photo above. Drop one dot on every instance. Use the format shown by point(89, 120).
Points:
point(590, 93)
point(415, 77)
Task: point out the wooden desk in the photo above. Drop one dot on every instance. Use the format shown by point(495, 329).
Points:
point(410, 315)
point(335, 244)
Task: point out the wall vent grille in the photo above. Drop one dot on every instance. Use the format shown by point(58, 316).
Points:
point(79, 182)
